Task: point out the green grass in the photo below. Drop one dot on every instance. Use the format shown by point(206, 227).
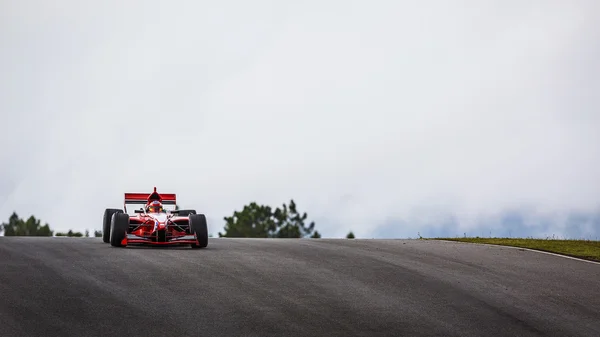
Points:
point(584, 249)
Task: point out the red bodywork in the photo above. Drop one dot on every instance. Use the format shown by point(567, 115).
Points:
point(163, 228)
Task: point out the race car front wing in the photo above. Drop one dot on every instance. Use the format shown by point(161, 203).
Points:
point(184, 239)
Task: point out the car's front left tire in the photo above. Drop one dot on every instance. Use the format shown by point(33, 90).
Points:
point(186, 212)
point(199, 227)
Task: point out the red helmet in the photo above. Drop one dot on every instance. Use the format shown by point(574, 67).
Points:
point(154, 207)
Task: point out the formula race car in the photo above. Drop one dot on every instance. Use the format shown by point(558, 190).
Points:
point(153, 224)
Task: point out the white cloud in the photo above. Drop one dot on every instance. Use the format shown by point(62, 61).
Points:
point(360, 112)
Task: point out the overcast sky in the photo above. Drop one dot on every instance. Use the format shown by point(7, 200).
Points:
point(387, 118)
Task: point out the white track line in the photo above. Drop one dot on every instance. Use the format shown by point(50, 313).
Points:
point(522, 248)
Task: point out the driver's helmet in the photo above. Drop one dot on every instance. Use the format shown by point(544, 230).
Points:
point(154, 207)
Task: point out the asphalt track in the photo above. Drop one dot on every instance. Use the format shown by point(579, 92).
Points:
point(268, 287)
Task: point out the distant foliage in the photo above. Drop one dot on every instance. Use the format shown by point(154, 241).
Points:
point(71, 234)
point(261, 221)
point(350, 235)
point(20, 227)
point(33, 227)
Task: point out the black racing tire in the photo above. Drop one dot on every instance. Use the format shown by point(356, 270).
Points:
point(119, 226)
point(199, 227)
point(108, 213)
point(186, 212)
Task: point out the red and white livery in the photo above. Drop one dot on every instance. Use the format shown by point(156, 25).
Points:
point(153, 224)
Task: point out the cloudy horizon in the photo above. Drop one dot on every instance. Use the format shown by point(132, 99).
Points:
point(385, 118)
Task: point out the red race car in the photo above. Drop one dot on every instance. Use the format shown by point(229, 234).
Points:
point(153, 224)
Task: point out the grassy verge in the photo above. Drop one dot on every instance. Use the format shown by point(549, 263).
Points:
point(584, 249)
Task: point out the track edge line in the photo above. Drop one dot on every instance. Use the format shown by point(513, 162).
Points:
point(523, 248)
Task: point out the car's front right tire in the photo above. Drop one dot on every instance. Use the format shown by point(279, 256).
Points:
point(108, 213)
point(119, 227)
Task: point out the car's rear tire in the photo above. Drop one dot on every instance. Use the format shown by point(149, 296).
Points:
point(119, 226)
point(186, 212)
point(199, 227)
point(108, 213)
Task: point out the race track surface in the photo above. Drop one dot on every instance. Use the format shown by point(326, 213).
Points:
point(268, 287)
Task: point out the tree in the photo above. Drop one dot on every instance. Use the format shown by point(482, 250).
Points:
point(18, 227)
point(254, 221)
point(98, 234)
point(316, 235)
point(261, 221)
point(290, 223)
point(350, 235)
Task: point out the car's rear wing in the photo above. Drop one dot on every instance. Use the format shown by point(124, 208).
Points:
point(144, 198)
